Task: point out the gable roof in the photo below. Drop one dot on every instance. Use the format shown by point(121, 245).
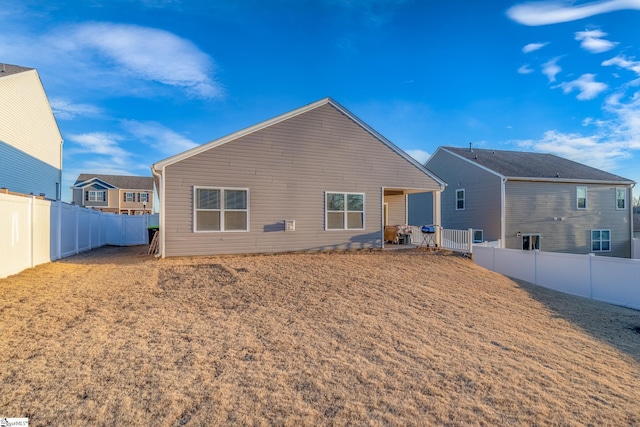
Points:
point(522, 165)
point(122, 182)
point(8, 69)
point(157, 167)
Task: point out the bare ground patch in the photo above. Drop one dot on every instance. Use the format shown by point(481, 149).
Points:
point(366, 338)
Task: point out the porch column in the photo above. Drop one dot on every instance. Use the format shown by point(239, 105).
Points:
point(437, 220)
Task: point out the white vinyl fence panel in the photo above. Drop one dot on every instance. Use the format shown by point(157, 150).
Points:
point(612, 280)
point(35, 231)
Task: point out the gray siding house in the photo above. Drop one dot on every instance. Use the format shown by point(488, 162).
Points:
point(30, 140)
point(531, 201)
point(316, 178)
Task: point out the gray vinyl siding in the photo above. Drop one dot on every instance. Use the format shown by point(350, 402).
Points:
point(287, 168)
point(482, 195)
point(550, 209)
point(421, 209)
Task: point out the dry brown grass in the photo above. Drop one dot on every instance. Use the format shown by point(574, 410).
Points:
point(114, 337)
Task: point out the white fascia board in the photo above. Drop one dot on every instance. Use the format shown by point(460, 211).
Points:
point(88, 182)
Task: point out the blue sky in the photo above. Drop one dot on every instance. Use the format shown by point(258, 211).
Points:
point(132, 82)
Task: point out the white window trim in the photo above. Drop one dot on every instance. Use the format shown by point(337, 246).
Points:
point(464, 199)
point(98, 195)
point(144, 197)
point(346, 193)
point(625, 198)
point(586, 198)
point(601, 230)
point(474, 235)
point(222, 209)
point(126, 197)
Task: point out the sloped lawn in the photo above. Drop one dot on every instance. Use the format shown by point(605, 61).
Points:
point(115, 337)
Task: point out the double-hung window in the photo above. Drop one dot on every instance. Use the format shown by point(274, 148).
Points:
point(600, 240)
point(581, 196)
point(221, 209)
point(621, 198)
point(96, 196)
point(143, 197)
point(344, 211)
point(129, 197)
point(460, 200)
point(478, 236)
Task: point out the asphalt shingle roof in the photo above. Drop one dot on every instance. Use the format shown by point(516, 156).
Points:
point(520, 164)
point(8, 69)
point(120, 181)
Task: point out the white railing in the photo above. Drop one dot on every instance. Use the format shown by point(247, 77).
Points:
point(457, 240)
point(35, 231)
point(608, 279)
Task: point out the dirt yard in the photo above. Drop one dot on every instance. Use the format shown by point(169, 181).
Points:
point(115, 337)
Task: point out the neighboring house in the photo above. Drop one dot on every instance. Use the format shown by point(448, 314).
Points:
point(30, 141)
point(531, 201)
point(316, 178)
point(130, 195)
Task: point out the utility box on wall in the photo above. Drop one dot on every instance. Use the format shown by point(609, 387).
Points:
point(289, 225)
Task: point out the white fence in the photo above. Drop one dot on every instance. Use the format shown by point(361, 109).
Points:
point(35, 231)
point(635, 249)
point(608, 279)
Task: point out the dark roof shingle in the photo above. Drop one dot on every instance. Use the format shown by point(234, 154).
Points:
point(8, 69)
point(120, 181)
point(520, 164)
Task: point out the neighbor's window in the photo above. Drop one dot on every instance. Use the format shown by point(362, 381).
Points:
point(143, 197)
point(478, 236)
point(460, 200)
point(221, 209)
point(621, 198)
point(96, 196)
point(581, 195)
point(129, 197)
point(600, 240)
point(344, 211)
point(531, 242)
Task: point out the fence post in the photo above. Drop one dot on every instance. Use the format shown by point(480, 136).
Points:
point(77, 211)
point(591, 258)
point(470, 240)
point(32, 224)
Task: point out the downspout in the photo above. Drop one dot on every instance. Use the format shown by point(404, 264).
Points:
point(161, 211)
point(502, 213)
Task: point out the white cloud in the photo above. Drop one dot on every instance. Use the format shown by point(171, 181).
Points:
point(161, 138)
point(64, 109)
point(622, 62)
point(555, 11)
point(420, 155)
point(533, 46)
point(525, 69)
point(141, 53)
point(101, 144)
point(586, 85)
point(551, 69)
point(592, 40)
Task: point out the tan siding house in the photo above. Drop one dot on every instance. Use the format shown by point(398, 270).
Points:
point(316, 178)
point(535, 201)
point(121, 194)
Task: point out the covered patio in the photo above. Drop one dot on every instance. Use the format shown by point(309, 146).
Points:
point(396, 230)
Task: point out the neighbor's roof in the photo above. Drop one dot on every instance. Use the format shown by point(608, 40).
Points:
point(157, 167)
point(8, 69)
point(534, 166)
point(122, 182)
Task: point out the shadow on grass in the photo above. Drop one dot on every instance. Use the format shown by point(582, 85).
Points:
point(617, 326)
